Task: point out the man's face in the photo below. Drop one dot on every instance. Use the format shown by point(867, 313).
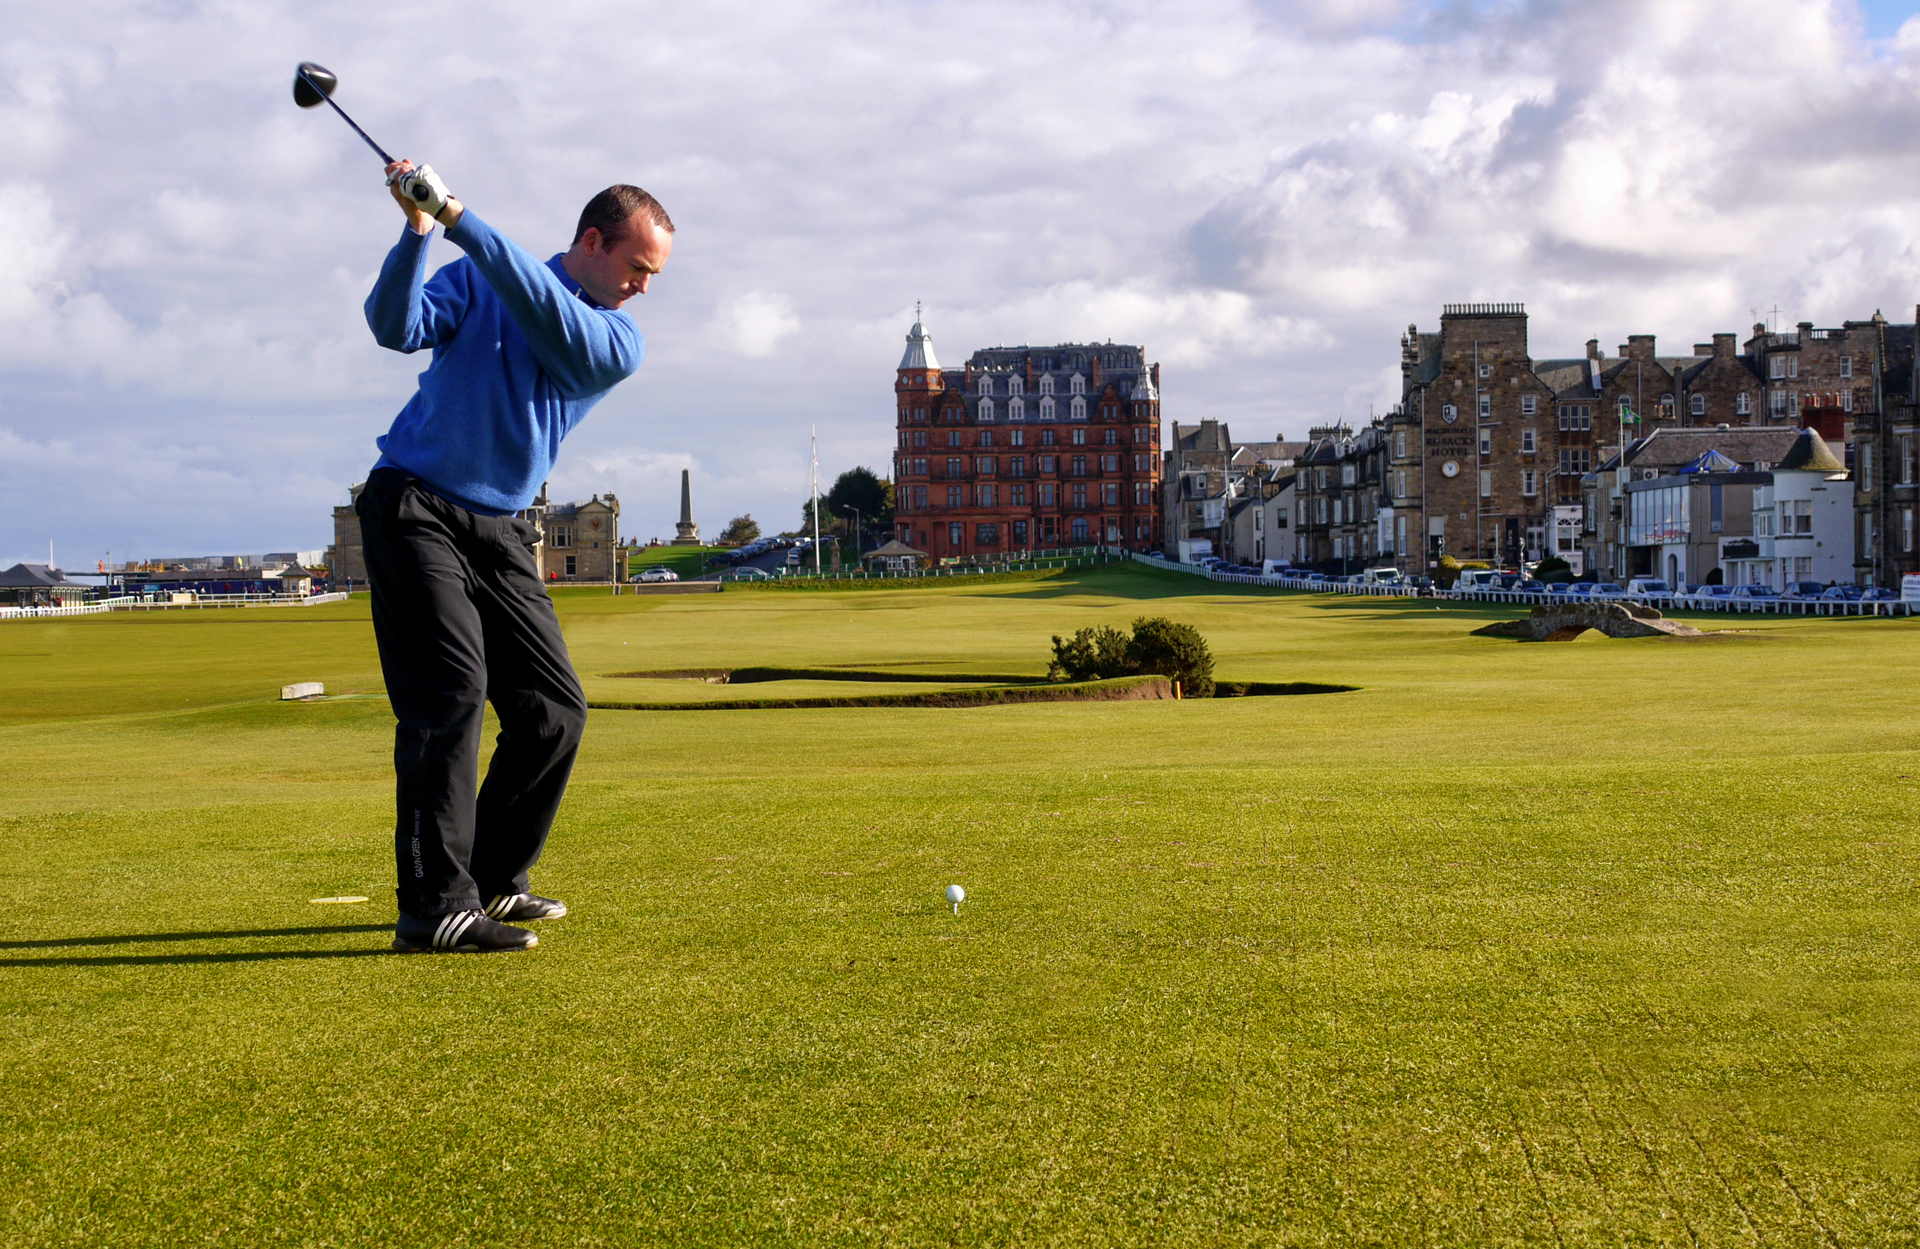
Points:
point(613, 274)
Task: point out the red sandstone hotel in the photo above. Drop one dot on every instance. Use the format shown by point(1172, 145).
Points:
point(1026, 447)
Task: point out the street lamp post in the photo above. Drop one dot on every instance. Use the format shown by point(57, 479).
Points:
point(856, 531)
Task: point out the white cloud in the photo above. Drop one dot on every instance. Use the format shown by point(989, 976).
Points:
point(754, 324)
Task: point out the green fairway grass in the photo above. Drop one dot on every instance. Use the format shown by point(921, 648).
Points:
point(1607, 943)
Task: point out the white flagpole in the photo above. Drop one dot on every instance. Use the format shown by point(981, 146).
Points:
point(816, 500)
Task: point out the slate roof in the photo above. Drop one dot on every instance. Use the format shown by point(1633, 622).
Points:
point(1568, 379)
point(1672, 449)
point(32, 576)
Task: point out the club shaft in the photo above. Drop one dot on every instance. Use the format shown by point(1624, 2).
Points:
point(378, 150)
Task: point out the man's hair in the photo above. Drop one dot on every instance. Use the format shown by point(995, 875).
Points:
point(612, 211)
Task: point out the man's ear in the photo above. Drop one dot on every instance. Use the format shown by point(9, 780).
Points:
point(590, 241)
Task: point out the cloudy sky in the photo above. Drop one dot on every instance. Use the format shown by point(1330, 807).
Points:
point(1263, 193)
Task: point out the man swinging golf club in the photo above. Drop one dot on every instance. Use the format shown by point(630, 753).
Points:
point(521, 352)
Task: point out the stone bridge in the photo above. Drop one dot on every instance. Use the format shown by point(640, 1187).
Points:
point(1563, 622)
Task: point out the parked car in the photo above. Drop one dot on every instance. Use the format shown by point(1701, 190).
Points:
point(1648, 587)
point(1530, 586)
point(1422, 586)
point(1316, 576)
point(1607, 589)
point(1751, 592)
point(1842, 594)
point(748, 574)
point(658, 572)
point(1707, 595)
point(1804, 589)
point(1879, 594)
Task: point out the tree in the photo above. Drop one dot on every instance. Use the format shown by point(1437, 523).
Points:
point(1553, 568)
point(740, 531)
point(859, 489)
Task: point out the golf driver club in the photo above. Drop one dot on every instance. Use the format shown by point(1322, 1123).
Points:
point(313, 85)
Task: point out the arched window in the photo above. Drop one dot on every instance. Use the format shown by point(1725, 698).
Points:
point(1079, 412)
point(1016, 385)
point(1698, 405)
point(986, 409)
point(1046, 405)
point(1046, 384)
point(1079, 385)
point(1016, 409)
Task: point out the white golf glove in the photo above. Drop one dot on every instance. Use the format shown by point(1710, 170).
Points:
point(423, 187)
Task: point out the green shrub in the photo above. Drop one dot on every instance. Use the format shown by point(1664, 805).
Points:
point(1158, 647)
point(1172, 650)
point(1090, 655)
point(1553, 568)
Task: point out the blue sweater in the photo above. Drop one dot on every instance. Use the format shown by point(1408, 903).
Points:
point(520, 355)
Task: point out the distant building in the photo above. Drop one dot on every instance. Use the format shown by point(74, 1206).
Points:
point(578, 541)
point(1633, 526)
point(1209, 480)
point(1803, 521)
point(38, 585)
point(1025, 448)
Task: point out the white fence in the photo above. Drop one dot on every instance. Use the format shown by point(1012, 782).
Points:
point(1665, 602)
point(132, 602)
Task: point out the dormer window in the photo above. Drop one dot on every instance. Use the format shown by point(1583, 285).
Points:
point(1016, 386)
point(1046, 383)
point(1079, 412)
point(1046, 405)
point(1016, 409)
point(986, 410)
point(1078, 385)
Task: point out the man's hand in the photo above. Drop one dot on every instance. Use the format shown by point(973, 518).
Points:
point(422, 196)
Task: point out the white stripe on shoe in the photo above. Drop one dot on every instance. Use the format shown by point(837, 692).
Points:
point(452, 928)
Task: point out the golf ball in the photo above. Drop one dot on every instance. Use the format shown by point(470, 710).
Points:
point(956, 895)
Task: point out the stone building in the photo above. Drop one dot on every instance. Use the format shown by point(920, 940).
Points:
point(1881, 452)
point(1344, 508)
point(1474, 440)
point(1209, 480)
point(578, 541)
point(347, 557)
point(1026, 448)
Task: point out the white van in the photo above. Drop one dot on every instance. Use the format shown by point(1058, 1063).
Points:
point(1380, 576)
point(1478, 579)
point(1648, 587)
point(1910, 588)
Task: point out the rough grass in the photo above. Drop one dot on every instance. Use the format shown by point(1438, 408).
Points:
point(1602, 944)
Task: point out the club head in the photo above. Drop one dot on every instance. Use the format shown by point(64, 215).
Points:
point(312, 84)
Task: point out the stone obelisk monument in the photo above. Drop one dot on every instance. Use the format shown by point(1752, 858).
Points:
point(686, 533)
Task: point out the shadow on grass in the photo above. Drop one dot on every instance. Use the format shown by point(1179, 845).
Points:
point(237, 956)
point(228, 935)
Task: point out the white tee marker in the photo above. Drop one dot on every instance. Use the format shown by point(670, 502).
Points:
point(956, 895)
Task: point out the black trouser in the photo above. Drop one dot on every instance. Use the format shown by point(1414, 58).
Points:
point(462, 620)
